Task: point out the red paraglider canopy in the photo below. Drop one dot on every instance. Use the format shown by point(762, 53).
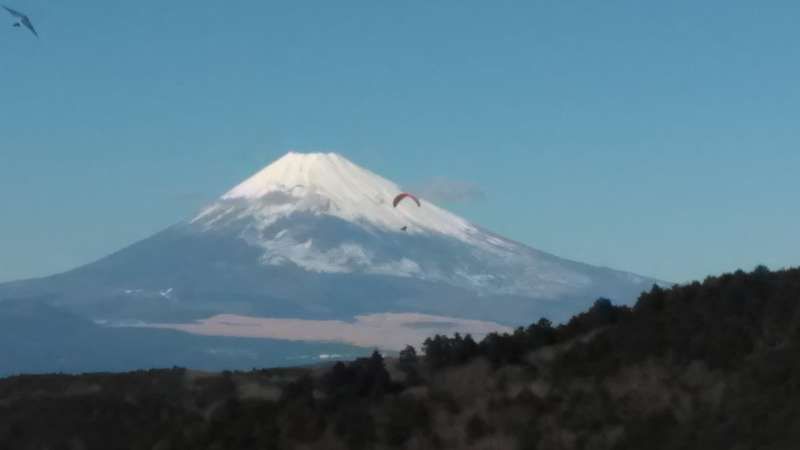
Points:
point(404, 195)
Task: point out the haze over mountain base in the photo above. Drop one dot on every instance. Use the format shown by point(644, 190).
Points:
point(388, 331)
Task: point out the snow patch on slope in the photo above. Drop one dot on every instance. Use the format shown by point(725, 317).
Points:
point(344, 258)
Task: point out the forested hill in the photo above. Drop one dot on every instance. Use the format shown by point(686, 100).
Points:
point(709, 365)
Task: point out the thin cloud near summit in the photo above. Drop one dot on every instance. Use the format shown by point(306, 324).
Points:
point(449, 191)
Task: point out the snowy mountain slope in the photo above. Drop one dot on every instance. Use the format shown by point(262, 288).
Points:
point(290, 211)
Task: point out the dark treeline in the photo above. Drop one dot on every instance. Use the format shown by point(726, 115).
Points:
point(709, 365)
point(501, 349)
point(718, 321)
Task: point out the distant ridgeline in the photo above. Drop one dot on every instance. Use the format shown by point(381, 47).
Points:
point(709, 365)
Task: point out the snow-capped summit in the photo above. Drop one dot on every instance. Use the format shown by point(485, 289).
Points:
point(324, 172)
point(329, 184)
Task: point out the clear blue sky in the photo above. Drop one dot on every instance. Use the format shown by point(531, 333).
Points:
point(657, 137)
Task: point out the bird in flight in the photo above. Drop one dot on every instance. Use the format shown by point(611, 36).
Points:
point(22, 19)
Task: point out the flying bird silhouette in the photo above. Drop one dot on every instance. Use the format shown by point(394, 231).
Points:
point(22, 19)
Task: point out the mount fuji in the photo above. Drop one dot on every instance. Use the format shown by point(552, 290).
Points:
point(311, 248)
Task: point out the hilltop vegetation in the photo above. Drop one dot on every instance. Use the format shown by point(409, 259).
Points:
point(708, 365)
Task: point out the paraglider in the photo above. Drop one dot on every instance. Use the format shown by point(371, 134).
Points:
point(22, 19)
point(402, 196)
point(405, 195)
